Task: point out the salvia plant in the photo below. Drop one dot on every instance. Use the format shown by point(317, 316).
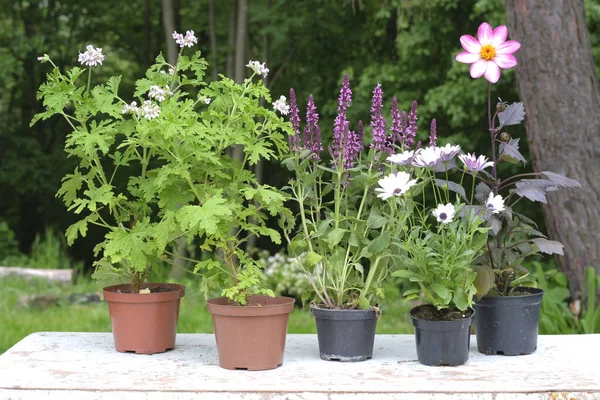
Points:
point(160, 167)
point(513, 236)
point(342, 241)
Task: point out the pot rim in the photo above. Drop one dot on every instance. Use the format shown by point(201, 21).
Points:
point(412, 310)
point(221, 306)
point(341, 314)
point(110, 294)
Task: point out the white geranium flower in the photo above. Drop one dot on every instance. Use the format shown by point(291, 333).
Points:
point(258, 68)
point(395, 185)
point(427, 157)
point(404, 158)
point(281, 105)
point(495, 203)
point(92, 56)
point(149, 110)
point(444, 213)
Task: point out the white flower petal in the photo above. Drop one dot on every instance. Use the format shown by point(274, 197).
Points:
point(478, 68)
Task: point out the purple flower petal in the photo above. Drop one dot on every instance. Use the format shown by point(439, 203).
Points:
point(499, 35)
point(505, 60)
point(470, 44)
point(485, 33)
point(467, 58)
point(492, 72)
point(508, 47)
point(478, 68)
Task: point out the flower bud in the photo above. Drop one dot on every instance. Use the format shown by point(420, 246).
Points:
point(505, 137)
point(501, 106)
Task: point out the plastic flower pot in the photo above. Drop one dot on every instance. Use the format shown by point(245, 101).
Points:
point(144, 323)
point(442, 343)
point(508, 325)
point(345, 335)
point(251, 337)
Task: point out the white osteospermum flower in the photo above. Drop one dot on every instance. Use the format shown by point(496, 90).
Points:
point(281, 105)
point(475, 164)
point(395, 185)
point(495, 203)
point(444, 213)
point(427, 157)
point(92, 56)
point(149, 110)
point(404, 158)
point(448, 152)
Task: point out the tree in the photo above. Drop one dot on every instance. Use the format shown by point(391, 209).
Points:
point(559, 88)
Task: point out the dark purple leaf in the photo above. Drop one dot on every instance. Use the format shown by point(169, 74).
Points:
point(482, 192)
point(453, 186)
point(532, 192)
point(548, 246)
point(561, 180)
point(511, 149)
point(512, 115)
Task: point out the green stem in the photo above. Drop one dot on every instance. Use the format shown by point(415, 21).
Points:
point(89, 79)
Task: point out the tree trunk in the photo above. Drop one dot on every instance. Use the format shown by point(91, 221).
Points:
point(240, 57)
point(559, 88)
point(169, 22)
point(258, 169)
point(147, 32)
point(213, 39)
point(168, 13)
point(231, 40)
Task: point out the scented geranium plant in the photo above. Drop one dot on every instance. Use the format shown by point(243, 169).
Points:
point(158, 168)
point(513, 236)
point(342, 242)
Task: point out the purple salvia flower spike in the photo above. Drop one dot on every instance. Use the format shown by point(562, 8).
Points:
point(360, 133)
point(295, 143)
point(396, 128)
point(312, 132)
point(379, 142)
point(433, 133)
point(411, 130)
point(403, 126)
point(341, 124)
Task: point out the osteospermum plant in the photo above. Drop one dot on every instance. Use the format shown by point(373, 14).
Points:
point(155, 167)
point(512, 236)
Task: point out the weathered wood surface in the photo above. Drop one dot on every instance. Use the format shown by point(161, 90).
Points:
point(85, 366)
point(60, 275)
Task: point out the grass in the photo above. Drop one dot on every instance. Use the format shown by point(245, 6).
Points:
point(18, 321)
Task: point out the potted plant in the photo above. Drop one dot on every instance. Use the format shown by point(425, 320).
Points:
point(250, 322)
point(507, 311)
point(438, 256)
point(342, 239)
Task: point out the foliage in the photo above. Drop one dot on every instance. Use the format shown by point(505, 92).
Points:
point(283, 274)
point(172, 152)
point(560, 314)
point(440, 261)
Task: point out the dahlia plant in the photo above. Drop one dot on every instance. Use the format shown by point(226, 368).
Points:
point(342, 243)
point(512, 236)
point(157, 168)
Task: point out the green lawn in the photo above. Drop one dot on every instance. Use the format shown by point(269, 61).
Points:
point(17, 321)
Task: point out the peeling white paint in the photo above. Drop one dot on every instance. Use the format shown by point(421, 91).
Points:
point(85, 366)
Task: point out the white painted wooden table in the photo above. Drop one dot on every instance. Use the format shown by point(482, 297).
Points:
point(85, 366)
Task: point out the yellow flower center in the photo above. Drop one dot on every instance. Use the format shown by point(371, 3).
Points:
point(487, 52)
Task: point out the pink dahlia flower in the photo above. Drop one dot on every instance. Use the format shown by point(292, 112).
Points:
point(489, 52)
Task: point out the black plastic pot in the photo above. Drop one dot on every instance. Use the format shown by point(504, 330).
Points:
point(345, 335)
point(442, 343)
point(508, 325)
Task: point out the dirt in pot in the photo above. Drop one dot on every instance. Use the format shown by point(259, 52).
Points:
point(154, 289)
point(522, 291)
point(430, 313)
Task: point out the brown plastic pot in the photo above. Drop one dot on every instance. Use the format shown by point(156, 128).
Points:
point(251, 337)
point(144, 323)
